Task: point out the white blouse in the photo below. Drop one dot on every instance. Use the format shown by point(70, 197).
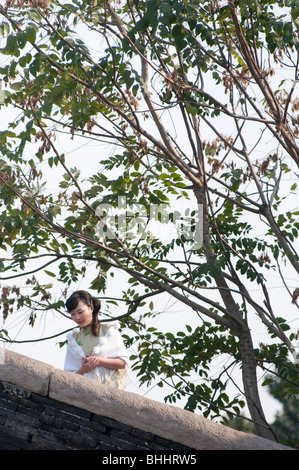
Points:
point(109, 345)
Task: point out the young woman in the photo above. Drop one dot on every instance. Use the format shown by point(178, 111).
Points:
point(95, 349)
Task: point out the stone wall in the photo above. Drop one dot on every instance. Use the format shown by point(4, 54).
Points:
point(29, 421)
point(42, 407)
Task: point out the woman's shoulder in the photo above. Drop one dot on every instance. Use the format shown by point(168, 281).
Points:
point(73, 333)
point(105, 327)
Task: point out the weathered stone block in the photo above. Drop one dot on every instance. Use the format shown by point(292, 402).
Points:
point(25, 372)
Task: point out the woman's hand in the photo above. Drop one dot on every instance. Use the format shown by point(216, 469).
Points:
point(89, 363)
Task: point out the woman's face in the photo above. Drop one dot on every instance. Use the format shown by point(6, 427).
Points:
point(82, 314)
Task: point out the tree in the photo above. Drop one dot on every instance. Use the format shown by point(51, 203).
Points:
point(188, 103)
point(285, 423)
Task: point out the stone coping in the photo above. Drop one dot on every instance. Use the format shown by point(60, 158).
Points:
point(163, 420)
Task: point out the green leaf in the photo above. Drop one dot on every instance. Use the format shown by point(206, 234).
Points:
point(49, 273)
point(31, 34)
point(12, 47)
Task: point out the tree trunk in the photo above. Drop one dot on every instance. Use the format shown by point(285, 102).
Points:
point(250, 384)
point(238, 327)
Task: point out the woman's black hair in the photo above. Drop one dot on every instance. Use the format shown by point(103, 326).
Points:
point(84, 296)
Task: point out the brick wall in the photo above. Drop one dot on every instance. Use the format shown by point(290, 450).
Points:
point(29, 421)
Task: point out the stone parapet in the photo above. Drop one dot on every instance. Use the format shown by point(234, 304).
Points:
point(128, 409)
